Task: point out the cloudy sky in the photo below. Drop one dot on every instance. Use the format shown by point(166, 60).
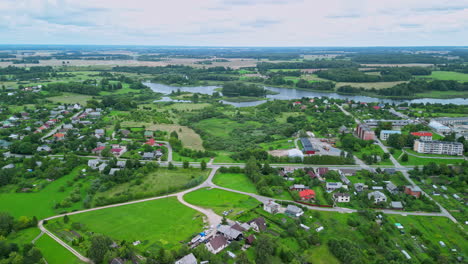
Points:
point(235, 22)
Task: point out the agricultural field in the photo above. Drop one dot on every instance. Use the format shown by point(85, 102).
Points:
point(158, 182)
point(41, 203)
point(369, 85)
point(219, 200)
point(448, 75)
point(157, 224)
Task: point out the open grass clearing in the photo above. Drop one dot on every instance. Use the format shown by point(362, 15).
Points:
point(157, 182)
point(71, 98)
point(41, 203)
point(219, 200)
point(159, 223)
point(54, 253)
point(369, 85)
point(222, 127)
point(448, 75)
point(235, 181)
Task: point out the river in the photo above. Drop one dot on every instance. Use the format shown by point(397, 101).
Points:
point(291, 93)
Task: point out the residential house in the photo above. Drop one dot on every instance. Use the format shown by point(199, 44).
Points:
point(396, 205)
point(392, 188)
point(298, 187)
point(333, 186)
point(121, 163)
point(124, 132)
point(377, 196)
point(413, 190)
point(341, 197)
point(229, 232)
point(93, 163)
point(59, 136)
point(307, 194)
point(94, 115)
point(4, 144)
point(271, 207)
point(113, 171)
point(188, 259)
point(294, 211)
point(98, 150)
point(216, 244)
point(364, 132)
point(118, 150)
point(250, 240)
point(347, 172)
point(390, 170)
point(44, 148)
point(148, 156)
point(438, 147)
point(99, 133)
point(258, 224)
point(359, 187)
point(150, 142)
point(102, 167)
point(9, 166)
point(117, 261)
point(322, 171)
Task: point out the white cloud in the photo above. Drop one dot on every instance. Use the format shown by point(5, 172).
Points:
point(236, 22)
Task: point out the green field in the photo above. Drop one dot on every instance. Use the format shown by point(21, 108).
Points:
point(220, 200)
point(54, 253)
point(449, 75)
point(71, 98)
point(222, 127)
point(41, 203)
point(369, 85)
point(235, 181)
point(412, 160)
point(156, 183)
point(158, 223)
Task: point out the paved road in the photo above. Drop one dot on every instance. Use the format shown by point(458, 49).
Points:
point(213, 219)
point(50, 133)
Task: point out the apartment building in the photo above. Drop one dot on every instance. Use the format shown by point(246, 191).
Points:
point(438, 147)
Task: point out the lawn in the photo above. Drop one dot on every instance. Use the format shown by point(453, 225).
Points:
point(424, 161)
point(287, 143)
point(156, 183)
point(220, 200)
point(322, 255)
point(223, 157)
point(235, 181)
point(24, 236)
point(41, 203)
point(158, 223)
point(71, 98)
point(54, 253)
point(177, 157)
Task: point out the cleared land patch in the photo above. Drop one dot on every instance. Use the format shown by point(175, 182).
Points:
point(235, 181)
point(220, 200)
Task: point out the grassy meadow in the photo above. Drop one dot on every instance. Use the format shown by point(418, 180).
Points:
point(158, 223)
point(220, 200)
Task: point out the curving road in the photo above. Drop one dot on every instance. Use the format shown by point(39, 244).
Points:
point(213, 219)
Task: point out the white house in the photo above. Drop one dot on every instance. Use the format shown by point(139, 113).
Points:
point(271, 207)
point(378, 196)
point(342, 197)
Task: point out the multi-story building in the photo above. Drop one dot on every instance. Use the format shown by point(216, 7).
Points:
point(364, 132)
point(438, 147)
point(399, 123)
point(452, 120)
point(384, 134)
point(439, 128)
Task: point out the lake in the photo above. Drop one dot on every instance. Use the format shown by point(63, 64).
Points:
point(291, 93)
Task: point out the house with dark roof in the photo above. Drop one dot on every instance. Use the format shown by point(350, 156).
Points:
point(250, 239)
point(392, 188)
point(216, 244)
point(258, 224)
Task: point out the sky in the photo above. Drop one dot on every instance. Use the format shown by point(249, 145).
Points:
point(235, 22)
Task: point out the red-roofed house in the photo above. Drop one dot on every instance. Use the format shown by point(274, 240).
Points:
point(307, 194)
point(426, 136)
point(376, 107)
point(150, 142)
point(59, 136)
point(98, 150)
point(322, 171)
point(297, 103)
